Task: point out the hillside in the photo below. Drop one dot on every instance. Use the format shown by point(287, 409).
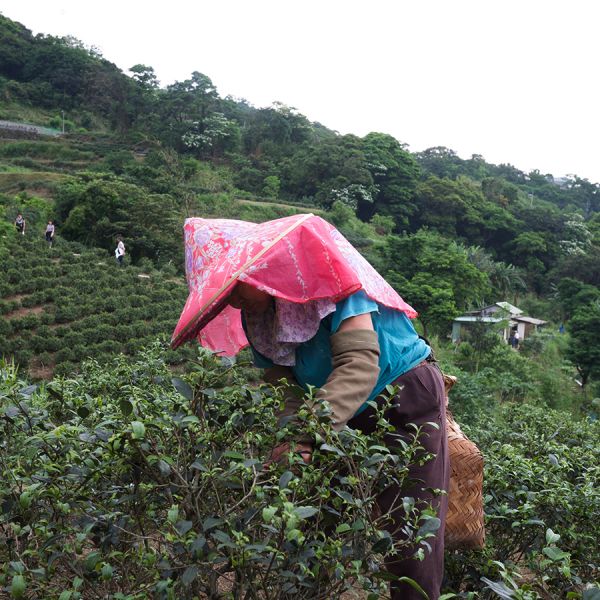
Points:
point(142, 158)
point(64, 304)
point(138, 159)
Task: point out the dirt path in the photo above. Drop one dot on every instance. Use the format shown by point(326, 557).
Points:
point(38, 370)
point(15, 297)
point(24, 311)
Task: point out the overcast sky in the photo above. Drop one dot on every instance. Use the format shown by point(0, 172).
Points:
point(513, 80)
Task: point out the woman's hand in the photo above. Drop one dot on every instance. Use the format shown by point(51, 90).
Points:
point(280, 452)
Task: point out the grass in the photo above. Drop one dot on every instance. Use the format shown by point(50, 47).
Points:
point(48, 150)
point(10, 168)
point(38, 182)
point(14, 111)
point(281, 205)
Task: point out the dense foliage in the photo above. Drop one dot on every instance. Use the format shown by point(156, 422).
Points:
point(128, 482)
point(64, 304)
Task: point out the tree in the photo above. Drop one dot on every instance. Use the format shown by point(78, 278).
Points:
point(585, 267)
point(432, 300)
point(63, 65)
point(442, 203)
point(574, 295)
point(145, 77)
point(271, 186)
point(383, 225)
point(499, 191)
point(430, 261)
point(15, 43)
point(578, 238)
point(395, 174)
point(276, 130)
point(527, 245)
point(144, 97)
point(458, 208)
point(505, 279)
point(440, 161)
point(583, 194)
point(213, 136)
point(186, 103)
point(324, 170)
point(96, 208)
point(584, 344)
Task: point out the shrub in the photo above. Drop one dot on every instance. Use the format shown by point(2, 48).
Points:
point(65, 369)
point(541, 485)
point(47, 317)
point(5, 327)
point(26, 322)
point(148, 484)
point(66, 355)
point(45, 358)
point(22, 358)
point(14, 276)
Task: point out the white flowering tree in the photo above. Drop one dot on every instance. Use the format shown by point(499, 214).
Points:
point(578, 237)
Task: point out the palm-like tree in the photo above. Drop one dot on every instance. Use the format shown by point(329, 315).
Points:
point(506, 279)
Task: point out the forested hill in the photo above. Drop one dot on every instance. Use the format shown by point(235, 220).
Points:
point(137, 158)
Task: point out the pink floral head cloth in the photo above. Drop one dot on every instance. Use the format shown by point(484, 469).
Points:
point(299, 259)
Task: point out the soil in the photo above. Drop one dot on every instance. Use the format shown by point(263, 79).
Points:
point(16, 297)
point(38, 370)
point(23, 312)
point(225, 585)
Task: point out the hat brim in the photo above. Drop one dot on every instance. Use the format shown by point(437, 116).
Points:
point(204, 315)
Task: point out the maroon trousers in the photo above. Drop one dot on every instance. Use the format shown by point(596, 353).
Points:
point(421, 401)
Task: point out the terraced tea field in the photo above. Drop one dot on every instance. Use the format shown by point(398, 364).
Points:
point(64, 304)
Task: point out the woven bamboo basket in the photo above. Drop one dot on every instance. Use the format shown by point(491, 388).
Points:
point(464, 521)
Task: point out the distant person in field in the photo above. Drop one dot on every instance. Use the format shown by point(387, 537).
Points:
point(50, 233)
point(120, 251)
point(516, 339)
point(20, 224)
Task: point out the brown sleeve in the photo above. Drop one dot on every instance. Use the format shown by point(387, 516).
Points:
point(355, 362)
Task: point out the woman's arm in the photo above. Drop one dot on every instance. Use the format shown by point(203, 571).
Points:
point(355, 361)
point(355, 357)
point(357, 322)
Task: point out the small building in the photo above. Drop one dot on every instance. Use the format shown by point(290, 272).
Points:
point(527, 325)
point(507, 318)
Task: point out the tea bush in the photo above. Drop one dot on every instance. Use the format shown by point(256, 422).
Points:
point(129, 483)
point(85, 304)
point(542, 498)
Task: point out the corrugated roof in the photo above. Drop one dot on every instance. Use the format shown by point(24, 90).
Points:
point(467, 319)
point(530, 320)
point(506, 306)
point(513, 310)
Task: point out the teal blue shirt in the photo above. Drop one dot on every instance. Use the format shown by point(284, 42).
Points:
point(400, 346)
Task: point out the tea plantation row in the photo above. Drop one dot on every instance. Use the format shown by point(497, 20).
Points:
point(128, 484)
point(61, 305)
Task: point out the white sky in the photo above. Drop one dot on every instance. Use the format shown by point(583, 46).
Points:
point(513, 80)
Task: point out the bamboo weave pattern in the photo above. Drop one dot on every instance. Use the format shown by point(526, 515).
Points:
point(464, 522)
